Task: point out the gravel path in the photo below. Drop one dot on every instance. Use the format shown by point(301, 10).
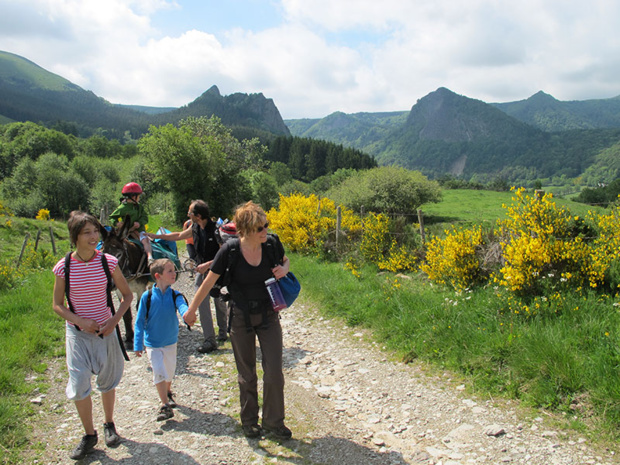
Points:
point(347, 403)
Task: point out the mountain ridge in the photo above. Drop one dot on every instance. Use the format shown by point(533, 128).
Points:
point(30, 93)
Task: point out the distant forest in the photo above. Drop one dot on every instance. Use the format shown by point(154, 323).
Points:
point(46, 168)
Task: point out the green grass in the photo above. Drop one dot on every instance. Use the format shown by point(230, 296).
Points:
point(13, 230)
point(30, 334)
point(567, 363)
point(465, 207)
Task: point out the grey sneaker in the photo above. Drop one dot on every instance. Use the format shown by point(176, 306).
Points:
point(165, 413)
point(111, 436)
point(86, 446)
point(281, 432)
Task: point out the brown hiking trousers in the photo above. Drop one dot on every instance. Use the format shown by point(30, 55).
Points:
point(244, 348)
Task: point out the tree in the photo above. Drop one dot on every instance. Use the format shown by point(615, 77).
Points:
point(386, 190)
point(200, 159)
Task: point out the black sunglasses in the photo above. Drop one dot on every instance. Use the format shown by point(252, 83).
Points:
point(260, 228)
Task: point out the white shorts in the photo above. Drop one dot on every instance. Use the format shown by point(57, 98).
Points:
point(163, 361)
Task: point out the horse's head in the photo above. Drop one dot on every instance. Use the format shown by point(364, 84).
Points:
point(115, 243)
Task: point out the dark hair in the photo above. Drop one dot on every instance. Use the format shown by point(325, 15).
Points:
point(159, 265)
point(77, 220)
point(200, 207)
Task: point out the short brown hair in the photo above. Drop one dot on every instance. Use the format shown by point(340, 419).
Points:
point(159, 265)
point(248, 217)
point(77, 220)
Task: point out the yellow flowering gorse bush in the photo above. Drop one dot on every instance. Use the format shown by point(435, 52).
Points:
point(304, 223)
point(538, 244)
point(43, 214)
point(453, 260)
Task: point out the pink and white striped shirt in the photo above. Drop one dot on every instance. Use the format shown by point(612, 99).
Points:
point(88, 284)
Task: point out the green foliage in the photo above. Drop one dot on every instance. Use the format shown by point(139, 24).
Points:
point(264, 189)
point(387, 190)
point(309, 159)
point(200, 159)
point(48, 182)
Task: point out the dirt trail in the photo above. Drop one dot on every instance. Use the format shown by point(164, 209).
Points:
point(347, 403)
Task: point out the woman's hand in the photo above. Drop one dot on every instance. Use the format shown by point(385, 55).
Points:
point(278, 272)
point(190, 317)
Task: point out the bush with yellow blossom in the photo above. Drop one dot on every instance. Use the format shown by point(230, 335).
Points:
point(540, 247)
point(43, 214)
point(454, 260)
point(305, 223)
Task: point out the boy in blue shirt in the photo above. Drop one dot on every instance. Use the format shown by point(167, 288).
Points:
point(157, 328)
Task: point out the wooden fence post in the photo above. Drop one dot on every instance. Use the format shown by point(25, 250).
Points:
point(338, 224)
point(53, 241)
point(36, 242)
point(21, 254)
point(421, 221)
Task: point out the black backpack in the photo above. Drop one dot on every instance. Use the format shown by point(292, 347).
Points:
point(275, 255)
point(109, 287)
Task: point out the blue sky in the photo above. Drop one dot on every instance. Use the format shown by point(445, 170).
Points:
point(314, 57)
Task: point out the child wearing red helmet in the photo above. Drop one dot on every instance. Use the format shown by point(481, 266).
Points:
point(130, 205)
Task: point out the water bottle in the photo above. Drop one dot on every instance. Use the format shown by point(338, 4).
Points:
point(275, 294)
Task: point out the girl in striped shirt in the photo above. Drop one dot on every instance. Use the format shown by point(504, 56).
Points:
point(92, 346)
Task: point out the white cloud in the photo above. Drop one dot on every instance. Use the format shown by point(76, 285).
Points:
point(348, 55)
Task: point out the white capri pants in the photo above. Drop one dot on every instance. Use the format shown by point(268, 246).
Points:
point(163, 362)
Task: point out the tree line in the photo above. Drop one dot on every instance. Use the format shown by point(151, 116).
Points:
point(198, 158)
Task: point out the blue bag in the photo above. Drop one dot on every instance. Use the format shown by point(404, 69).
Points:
point(290, 287)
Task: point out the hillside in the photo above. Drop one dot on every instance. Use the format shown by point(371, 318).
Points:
point(446, 133)
point(30, 93)
point(358, 130)
point(545, 112)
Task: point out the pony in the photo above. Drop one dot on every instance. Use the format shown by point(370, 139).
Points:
point(133, 262)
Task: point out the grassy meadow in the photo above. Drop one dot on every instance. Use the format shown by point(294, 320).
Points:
point(565, 360)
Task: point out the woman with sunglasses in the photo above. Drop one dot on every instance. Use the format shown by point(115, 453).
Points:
point(251, 303)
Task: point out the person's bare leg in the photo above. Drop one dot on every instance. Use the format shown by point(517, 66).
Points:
point(85, 411)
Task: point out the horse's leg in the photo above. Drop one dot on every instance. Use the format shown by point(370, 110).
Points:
point(127, 319)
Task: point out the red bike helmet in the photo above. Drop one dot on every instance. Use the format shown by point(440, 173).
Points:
point(131, 188)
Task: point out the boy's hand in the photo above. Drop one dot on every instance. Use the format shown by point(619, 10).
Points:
point(138, 353)
point(190, 317)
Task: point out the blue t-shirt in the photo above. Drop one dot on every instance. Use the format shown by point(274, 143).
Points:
point(162, 327)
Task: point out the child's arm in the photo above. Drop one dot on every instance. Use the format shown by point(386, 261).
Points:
point(181, 304)
point(126, 297)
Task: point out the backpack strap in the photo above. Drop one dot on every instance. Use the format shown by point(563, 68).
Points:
point(67, 284)
point(110, 286)
point(148, 304)
point(175, 294)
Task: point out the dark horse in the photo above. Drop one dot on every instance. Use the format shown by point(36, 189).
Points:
point(133, 262)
